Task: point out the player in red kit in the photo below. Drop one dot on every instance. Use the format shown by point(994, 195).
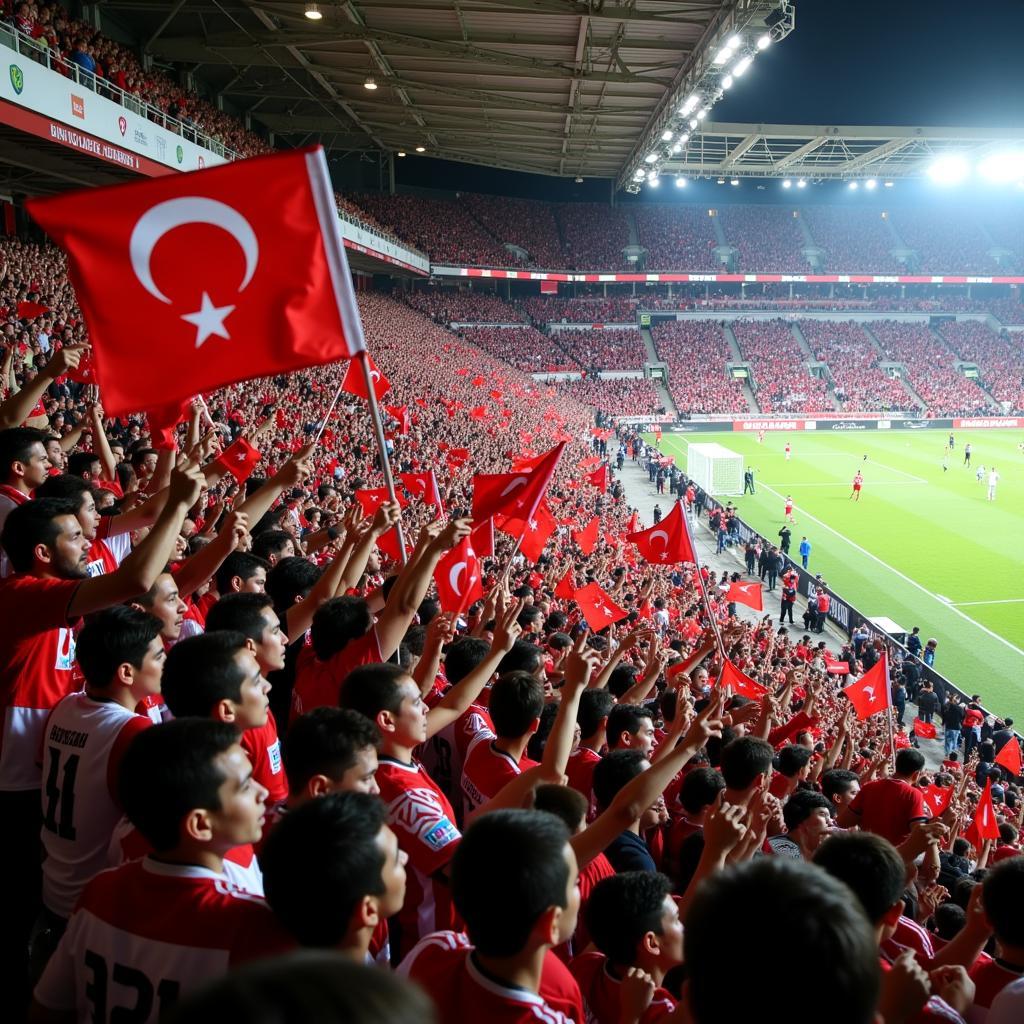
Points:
point(788, 451)
point(789, 509)
point(857, 481)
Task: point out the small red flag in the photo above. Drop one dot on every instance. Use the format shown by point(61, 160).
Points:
point(740, 683)
point(836, 667)
point(458, 578)
point(424, 487)
point(239, 270)
point(668, 542)
point(937, 798)
point(535, 532)
point(240, 459)
point(985, 823)
point(746, 593)
point(388, 544)
point(924, 729)
point(566, 586)
point(30, 310)
point(1009, 757)
point(587, 537)
point(478, 381)
point(372, 498)
point(162, 421)
point(871, 693)
point(597, 607)
point(355, 382)
point(515, 495)
point(481, 539)
point(478, 412)
point(85, 372)
point(399, 413)
point(599, 478)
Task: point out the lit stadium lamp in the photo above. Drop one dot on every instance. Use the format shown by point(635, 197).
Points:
point(741, 66)
point(723, 54)
point(1002, 168)
point(801, 183)
point(690, 104)
point(853, 186)
point(370, 84)
point(693, 123)
point(721, 181)
point(702, 113)
point(421, 149)
point(727, 82)
point(680, 181)
point(871, 184)
point(313, 12)
point(677, 148)
point(666, 135)
point(889, 184)
point(401, 152)
point(787, 183)
point(653, 180)
point(764, 41)
point(949, 170)
point(684, 138)
point(734, 182)
point(651, 158)
point(638, 174)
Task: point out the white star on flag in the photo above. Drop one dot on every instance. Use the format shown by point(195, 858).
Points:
point(209, 319)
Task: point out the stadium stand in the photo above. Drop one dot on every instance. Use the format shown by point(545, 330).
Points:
point(545, 309)
point(697, 353)
point(676, 236)
point(781, 380)
point(526, 223)
point(525, 348)
point(1000, 361)
point(603, 350)
point(765, 237)
point(951, 239)
point(852, 239)
point(593, 235)
point(447, 306)
point(623, 397)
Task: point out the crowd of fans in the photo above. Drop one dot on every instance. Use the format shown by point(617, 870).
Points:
point(944, 242)
point(603, 350)
point(765, 238)
point(618, 309)
point(999, 360)
point(526, 223)
point(665, 814)
point(859, 383)
point(677, 237)
point(593, 235)
point(855, 240)
point(525, 348)
point(930, 368)
point(446, 305)
point(697, 354)
point(782, 383)
point(625, 396)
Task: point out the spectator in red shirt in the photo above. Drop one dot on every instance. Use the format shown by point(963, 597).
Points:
point(890, 807)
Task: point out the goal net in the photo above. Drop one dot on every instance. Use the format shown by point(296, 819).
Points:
point(714, 468)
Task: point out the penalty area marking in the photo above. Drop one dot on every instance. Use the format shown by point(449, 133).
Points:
point(966, 604)
point(903, 576)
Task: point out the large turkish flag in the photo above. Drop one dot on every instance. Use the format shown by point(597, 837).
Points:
point(192, 281)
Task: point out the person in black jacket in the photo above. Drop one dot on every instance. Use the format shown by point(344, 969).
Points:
point(786, 536)
point(750, 556)
point(927, 701)
point(952, 722)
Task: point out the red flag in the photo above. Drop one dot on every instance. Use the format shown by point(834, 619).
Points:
point(535, 531)
point(30, 310)
point(589, 463)
point(478, 381)
point(740, 683)
point(458, 578)
point(388, 544)
point(239, 460)
point(746, 593)
point(871, 693)
point(587, 537)
point(400, 413)
point(481, 539)
point(162, 421)
point(239, 271)
point(515, 495)
point(924, 729)
point(667, 542)
point(1009, 757)
point(85, 372)
point(599, 478)
point(937, 799)
point(634, 520)
point(458, 456)
point(423, 486)
point(597, 607)
point(566, 586)
point(478, 412)
point(985, 823)
point(355, 382)
point(372, 498)
point(835, 667)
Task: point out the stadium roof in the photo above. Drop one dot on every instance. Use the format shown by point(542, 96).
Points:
point(563, 87)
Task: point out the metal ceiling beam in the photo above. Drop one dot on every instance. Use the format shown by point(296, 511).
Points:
point(876, 154)
point(742, 146)
point(800, 152)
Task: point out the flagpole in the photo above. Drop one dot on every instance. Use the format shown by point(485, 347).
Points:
point(382, 448)
point(327, 416)
point(889, 709)
point(700, 583)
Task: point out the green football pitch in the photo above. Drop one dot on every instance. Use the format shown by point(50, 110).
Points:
point(923, 546)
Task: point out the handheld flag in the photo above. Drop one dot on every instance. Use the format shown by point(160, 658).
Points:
point(740, 683)
point(871, 693)
point(746, 593)
point(515, 495)
point(667, 542)
point(1009, 757)
point(924, 729)
point(239, 460)
point(985, 823)
point(458, 577)
point(597, 607)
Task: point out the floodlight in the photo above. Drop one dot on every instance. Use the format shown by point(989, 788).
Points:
point(702, 113)
point(370, 84)
point(684, 138)
point(1002, 168)
point(421, 149)
point(949, 170)
point(651, 158)
point(723, 54)
point(653, 180)
point(727, 82)
point(401, 152)
point(677, 148)
point(741, 66)
point(579, 180)
point(680, 181)
point(721, 181)
point(693, 123)
point(787, 183)
point(853, 186)
point(690, 104)
point(666, 135)
point(801, 183)
point(313, 12)
point(871, 184)
point(763, 42)
point(734, 182)
point(889, 184)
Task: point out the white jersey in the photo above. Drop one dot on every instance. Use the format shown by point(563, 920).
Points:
point(83, 743)
point(993, 478)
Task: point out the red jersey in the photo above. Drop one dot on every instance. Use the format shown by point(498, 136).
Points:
point(602, 993)
point(990, 978)
point(37, 655)
point(145, 934)
point(317, 683)
point(487, 770)
point(264, 750)
point(101, 559)
point(83, 743)
point(443, 965)
point(423, 819)
point(596, 871)
point(580, 772)
point(889, 807)
point(444, 754)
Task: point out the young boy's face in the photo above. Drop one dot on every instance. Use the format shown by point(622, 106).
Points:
point(242, 802)
point(252, 707)
point(411, 720)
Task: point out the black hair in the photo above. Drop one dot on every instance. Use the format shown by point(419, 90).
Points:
point(626, 718)
point(792, 759)
point(744, 759)
point(816, 924)
point(622, 909)
point(613, 771)
point(82, 462)
point(168, 771)
point(524, 657)
point(869, 865)
point(700, 789)
point(837, 781)
point(290, 579)
point(463, 656)
point(949, 920)
point(1002, 897)
point(270, 542)
point(508, 870)
point(33, 523)
point(241, 564)
point(242, 613)
point(415, 640)
point(111, 638)
point(336, 622)
point(325, 741)
point(72, 488)
point(801, 805)
point(371, 689)
point(16, 445)
point(319, 861)
point(201, 671)
point(622, 678)
point(516, 701)
point(595, 705)
point(563, 802)
point(909, 761)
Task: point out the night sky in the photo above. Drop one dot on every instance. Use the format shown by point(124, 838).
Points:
point(883, 62)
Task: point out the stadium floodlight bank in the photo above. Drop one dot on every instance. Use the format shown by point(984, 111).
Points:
point(715, 468)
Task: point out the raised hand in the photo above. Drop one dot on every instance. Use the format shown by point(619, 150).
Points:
point(506, 629)
point(636, 990)
point(581, 663)
point(186, 484)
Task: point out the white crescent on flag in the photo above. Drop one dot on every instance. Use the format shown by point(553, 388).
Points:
point(453, 576)
point(520, 481)
point(660, 533)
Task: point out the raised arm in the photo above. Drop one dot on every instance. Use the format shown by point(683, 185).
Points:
point(15, 409)
point(197, 569)
point(293, 472)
